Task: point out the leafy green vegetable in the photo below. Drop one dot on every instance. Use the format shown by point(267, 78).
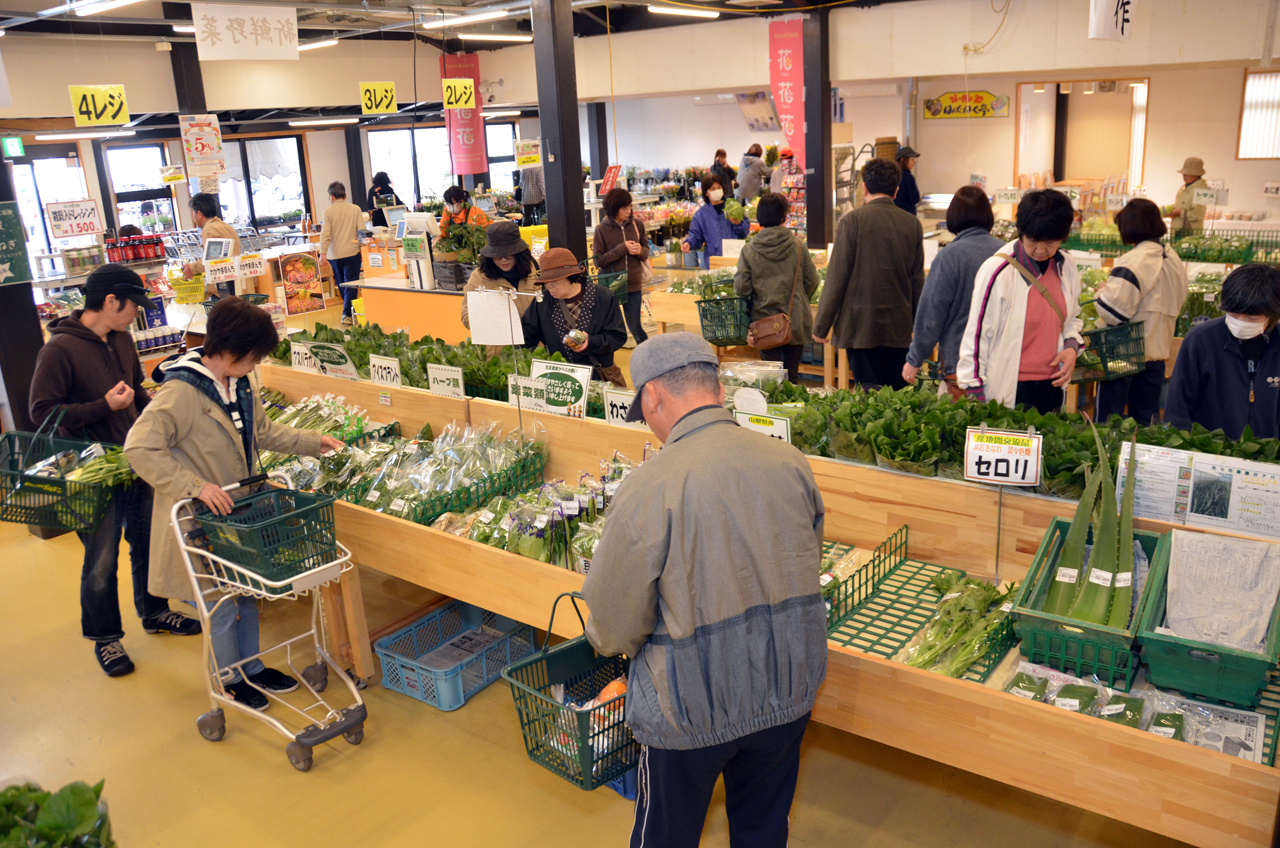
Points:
point(1174, 725)
point(1028, 686)
point(964, 603)
point(33, 818)
point(1075, 698)
point(1121, 709)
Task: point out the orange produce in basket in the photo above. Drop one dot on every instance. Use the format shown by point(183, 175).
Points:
point(613, 690)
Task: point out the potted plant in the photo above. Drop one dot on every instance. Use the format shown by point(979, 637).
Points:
point(674, 258)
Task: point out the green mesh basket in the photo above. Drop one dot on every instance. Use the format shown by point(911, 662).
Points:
point(725, 320)
point(51, 502)
point(615, 282)
point(1111, 353)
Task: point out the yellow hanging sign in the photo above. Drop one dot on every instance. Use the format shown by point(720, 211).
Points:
point(99, 105)
point(459, 93)
point(377, 98)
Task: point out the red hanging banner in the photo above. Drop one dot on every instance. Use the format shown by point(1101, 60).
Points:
point(465, 126)
point(786, 79)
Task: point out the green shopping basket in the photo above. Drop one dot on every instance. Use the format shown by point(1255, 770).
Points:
point(52, 502)
point(276, 534)
point(587, 747)
point(725, 320)
point(1111, 353)
point(615, 282)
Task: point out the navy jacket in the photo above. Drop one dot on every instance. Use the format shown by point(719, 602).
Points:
point(1211, 385)
point(948, 291)
point(908, 193)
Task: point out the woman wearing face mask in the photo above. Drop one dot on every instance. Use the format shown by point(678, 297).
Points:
point(1227, 374)
point(381, 188)
point(579, 319)
point(1147, 284)
point(1023, 335)
point(457, 209)
point(709, 227)
point(505, 263)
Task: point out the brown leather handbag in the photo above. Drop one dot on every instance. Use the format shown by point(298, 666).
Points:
point(774, 331)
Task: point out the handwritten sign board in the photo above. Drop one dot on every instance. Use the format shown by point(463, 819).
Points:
point(1204, 197)
point(252, 265)
point(610, 180)
point(99, 105)
point(445, 380)
point(1271, 188)
point(967, 104)
point(1116, 202)
point(220, 270)
point(527, 393)
point(226, 31)
point(384, 371)
point(378, 98)
point(617, 404)
point(300, 358)
point(1008, 195)
point(1001, 456)
point(459, 93)
point(774, 426)
point(75, 218)
point(332, 360)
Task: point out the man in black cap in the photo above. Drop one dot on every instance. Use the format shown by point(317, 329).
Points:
point(908, 196)
point(90, 369)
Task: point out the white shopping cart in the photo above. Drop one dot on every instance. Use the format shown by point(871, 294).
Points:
point(277, 544)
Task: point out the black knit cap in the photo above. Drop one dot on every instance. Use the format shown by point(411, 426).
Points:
point(119, 281)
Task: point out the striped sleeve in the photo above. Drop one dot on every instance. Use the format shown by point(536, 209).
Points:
point(979, 331)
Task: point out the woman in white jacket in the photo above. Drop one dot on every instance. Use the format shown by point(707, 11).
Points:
point(1023, 336)
point(1147, 284)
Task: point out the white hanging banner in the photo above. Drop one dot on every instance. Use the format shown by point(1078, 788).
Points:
point(1111, 20)
point(245, 32)
point(202, 147)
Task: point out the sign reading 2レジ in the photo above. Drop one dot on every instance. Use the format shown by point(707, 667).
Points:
point(75, 218)
point(459, 93)
point(1003, 457)
point(99, 105)
point(377, 98)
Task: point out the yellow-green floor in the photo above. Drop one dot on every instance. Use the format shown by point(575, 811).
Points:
point(421, 777)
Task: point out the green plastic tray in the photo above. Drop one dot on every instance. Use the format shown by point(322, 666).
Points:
point(1214, 672)
point(1078, 647)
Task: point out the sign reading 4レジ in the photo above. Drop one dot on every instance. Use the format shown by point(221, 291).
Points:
point(377, 98)
point(459, 93)
point(99, 105)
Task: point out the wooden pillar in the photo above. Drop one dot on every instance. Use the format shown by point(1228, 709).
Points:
point(819, 183)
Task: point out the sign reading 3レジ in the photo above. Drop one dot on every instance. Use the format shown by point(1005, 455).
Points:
point(377, 98)
point(459, 93)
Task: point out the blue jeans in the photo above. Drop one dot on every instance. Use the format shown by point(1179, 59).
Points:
point(233, 632)
point(129, 513)
point(346, 270)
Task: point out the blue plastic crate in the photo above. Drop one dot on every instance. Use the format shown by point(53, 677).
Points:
point(449, 689)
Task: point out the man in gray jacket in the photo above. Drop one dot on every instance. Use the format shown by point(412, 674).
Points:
point(707, 577)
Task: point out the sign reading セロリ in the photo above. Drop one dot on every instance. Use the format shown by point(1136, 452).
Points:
point(1002, 457)
point(99, 105)
point(967, 104)
point(74, 218)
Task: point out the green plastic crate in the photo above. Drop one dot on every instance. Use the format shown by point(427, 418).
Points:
point(1075, 646)
point(1111, 353)
point(485, 393)
point(1214, 672)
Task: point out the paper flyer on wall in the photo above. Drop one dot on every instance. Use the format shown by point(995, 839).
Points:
point(1235, 495)
point(1164, 482)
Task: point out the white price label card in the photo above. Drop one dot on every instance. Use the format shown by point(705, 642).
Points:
point(384, 371)
point(384, 398)
point(1008, 195)
point(1102, 578)
point(1138, 191)
point(776, 426)
point(301, 358)
point(1204, 197)
point(569, 509)
point(1003, 457)
point(1116, 202)
point(220, 270)
point(252, 265)
point(1124, 579)
point(617, 404)
point(445, 380)
point(375, 259)
point(1070, 704)
point(1271, 188)
point(1067, 575)
point(1086, 260)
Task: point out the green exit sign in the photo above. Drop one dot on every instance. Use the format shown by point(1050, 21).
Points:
point(12, 146)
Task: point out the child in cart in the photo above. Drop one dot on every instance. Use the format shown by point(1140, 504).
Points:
point(202, 431)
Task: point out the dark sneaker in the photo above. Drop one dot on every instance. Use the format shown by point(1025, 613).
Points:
point(274, 681)
point(113, 658)
point(245, 694)
point(172, 622)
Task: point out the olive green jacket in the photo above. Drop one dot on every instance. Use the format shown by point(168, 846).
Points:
point(766, 273)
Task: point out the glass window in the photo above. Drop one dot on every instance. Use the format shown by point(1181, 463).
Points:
point(275, 175)
point(500, 174)
point(1260, 117)
point(501, 140)
point(233, 193)
point(152, 216)
point(135, 168)
point(390, 151)
point(435, 165)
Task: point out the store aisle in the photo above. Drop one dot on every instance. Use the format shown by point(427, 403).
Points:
point(421, 776)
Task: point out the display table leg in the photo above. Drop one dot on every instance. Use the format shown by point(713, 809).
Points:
point(842, 363)
point(828, 365)
point(357, 626)
point(1073, 397)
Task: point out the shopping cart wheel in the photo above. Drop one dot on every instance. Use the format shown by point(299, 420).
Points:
point(356, 736)
point(299, 756)
point(317, 676)
point(212, 725)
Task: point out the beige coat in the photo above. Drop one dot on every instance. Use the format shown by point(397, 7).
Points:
point(339, 235)
point(181, 441)
point(1192, 217)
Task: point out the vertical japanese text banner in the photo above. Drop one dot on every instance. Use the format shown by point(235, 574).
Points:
point(466, 126)
point(1110, 20)
point(786, 80)
point(245, 32)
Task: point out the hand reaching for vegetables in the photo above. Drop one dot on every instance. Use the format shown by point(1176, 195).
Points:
point(328, 444)
point(909, 372)
point(119, 397)
point(1067, 358)
point(216, 499)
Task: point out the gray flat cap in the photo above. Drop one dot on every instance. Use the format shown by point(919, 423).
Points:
point(662, 353)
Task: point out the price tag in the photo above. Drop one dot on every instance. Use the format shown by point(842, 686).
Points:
point(252, 265)
point(776, 426)
point(384, 398)
point(220, 270)
point(1204, 197)
point(1124, 579)
point(99, 105)
point(75, 218)
point(1067, 575)
point(1138, 191)
point(459, 93)
point(569, 509)
point(445, 380)
point(541, 521)
point(617, 403)
point(1102, 578)
point(377, 98)
point(1002, 456)
point(1008, 195)
point(1111, 709)
point(1071, 704)
point(1116, 202)
point(1086, 260)
point(1166, 732)
point(301, 358)
point(384, 371)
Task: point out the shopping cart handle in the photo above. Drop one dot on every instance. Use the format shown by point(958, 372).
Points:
point(248, 481)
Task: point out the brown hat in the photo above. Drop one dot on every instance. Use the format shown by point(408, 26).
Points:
point(558, 264)
point(503, 240)
point(1193, 167)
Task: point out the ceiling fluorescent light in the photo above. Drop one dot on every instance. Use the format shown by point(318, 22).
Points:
point(90, 134)
point(2, 32)
point(1039, 88)
point(95, 8)
point(319, 122)
point(510, 114)
point(1088, 89)
point(463, 20)
point(1064, 88)
point(477, 36)
point(177, 28)
point(693, 13)
point(312, 45)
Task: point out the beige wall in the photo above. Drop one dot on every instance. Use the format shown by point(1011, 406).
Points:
point(40, 69)
point(953, 148)
point(1098, 130)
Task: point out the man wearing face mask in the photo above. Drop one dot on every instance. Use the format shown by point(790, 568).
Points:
point(709, 227)
point(458, 211)
point(1228, 370)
